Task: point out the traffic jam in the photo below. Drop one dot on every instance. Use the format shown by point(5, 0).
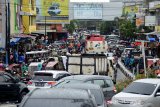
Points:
point(84, 75)
point(84, 62)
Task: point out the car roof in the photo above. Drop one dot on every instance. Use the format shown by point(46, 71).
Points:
point(149, 80)
point(81, 86)
point(86, 77)
point(51, 71)
point(63, 93)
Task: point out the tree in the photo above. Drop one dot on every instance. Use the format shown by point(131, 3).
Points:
point(72, 26)
point(107, 27)
point(127, 29)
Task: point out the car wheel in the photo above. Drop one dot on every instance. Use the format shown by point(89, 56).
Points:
point(21, 96)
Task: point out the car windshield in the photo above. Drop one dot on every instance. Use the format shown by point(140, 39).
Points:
point(62, 82)
point(43, 77)
point(152, 36)
point(98, 96)
point(52, 8)
point(58, 103)
point(140, 88)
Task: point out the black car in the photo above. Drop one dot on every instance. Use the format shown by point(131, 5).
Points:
point(11, 89)
point(58, 98)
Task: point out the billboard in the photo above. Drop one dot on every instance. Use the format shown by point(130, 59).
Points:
point(88, 11)
point(52, 7)
point(150, 20)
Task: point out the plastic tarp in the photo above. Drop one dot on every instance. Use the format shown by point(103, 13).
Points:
point(14, 41)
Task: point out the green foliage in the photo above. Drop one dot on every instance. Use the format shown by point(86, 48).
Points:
point(106, 27)
point(127, 28)
point(122, 84)
point(71, 27)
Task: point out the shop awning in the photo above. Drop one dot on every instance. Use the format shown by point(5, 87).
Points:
point(14, 41)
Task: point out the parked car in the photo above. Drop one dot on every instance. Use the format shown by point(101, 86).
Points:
point(46, 78)
point(96, 90)
point(140, 93)
point(11, 89)
point(105, 82)
point(59, 98)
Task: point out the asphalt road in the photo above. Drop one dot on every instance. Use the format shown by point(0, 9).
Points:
point(120, 76)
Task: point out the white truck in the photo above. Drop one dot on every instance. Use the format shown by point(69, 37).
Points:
point(95, 44)
point(90, 64)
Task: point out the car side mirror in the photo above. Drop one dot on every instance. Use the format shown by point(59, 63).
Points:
point(158, 94)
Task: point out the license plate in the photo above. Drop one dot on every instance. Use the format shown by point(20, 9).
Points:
point(39, 84)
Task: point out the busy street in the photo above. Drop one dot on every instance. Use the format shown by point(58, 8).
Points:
point(79, 53)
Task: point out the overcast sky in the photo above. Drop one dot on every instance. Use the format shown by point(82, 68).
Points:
point(89, 0)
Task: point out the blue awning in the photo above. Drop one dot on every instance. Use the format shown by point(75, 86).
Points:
point(14, 41)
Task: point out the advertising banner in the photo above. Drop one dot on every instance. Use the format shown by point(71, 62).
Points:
point(88, 11)
point(150, 20)
point(52, 7)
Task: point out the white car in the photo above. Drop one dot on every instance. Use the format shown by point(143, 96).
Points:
point(140, 93)
point(46, 78)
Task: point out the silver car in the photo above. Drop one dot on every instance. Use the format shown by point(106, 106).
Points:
point(95, 90)
point(140, 93)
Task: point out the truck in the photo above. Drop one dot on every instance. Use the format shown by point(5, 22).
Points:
point(95, 44)
point(90, 64)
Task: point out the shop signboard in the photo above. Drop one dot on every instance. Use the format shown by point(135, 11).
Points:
point(150, 20)
point(52, 7)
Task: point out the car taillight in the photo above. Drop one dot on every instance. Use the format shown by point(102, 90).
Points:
point(51, 83)
point(29, 83)
point(114, 89)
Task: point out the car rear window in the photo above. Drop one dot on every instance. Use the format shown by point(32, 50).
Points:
point(43, 76)
point(58, 103)
point(62, 82)
point(140, 88)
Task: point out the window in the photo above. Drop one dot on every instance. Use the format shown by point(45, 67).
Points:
point(2, 79)
point(58, 103)
point(108, 83)
point(90, 82)
point(158, 91)
point(43, 76)
point(8, 78)
point(99, 82)
point(140, 88)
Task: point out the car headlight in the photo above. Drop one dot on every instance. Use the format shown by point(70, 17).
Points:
point(114, 100)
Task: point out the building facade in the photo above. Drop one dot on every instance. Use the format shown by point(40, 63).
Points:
point(101, 11)
point(28, 16)
point(153, 10)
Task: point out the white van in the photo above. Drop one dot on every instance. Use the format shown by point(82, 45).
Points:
point(140, 93)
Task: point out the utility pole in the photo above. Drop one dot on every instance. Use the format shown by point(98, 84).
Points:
point(45, 27)
point(144, 56)
point(7, 9)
